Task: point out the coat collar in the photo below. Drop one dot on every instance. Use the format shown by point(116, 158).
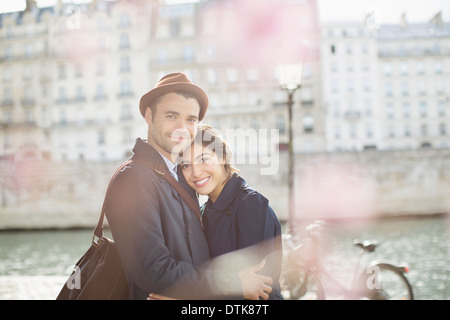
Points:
point(229, 193)
point(142, 150)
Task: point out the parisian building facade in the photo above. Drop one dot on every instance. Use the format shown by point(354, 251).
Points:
point(72, 77)
point(386, 87)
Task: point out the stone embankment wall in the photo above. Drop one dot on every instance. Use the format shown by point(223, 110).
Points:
point(35, 194)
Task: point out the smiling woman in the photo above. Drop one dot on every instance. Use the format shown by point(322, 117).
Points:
point(236, 216)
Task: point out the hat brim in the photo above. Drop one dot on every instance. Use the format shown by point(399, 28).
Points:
point(202, 98)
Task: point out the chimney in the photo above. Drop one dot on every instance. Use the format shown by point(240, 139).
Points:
point(30, 5)
point(403, 21)
point(437, 19)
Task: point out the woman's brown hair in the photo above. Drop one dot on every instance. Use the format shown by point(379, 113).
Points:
point(209, 138)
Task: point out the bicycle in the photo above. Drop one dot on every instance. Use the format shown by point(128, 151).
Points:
point(303, 274)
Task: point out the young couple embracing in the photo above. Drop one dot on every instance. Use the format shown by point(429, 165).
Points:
point(232, 250)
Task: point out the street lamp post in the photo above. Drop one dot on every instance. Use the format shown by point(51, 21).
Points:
point(290, 77)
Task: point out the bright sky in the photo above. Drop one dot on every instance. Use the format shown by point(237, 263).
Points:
point(388, 11)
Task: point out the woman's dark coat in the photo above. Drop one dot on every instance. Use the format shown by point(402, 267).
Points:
point(242, 218)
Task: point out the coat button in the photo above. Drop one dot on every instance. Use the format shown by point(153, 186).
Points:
point(189, 230)
point(228, 212)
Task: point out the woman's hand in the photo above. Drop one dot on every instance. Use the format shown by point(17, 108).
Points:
point(255, 285)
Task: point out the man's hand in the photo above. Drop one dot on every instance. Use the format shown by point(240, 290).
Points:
point(255, 285)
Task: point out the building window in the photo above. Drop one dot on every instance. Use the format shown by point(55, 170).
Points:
point(233, 99)
point(8, 96)
point(406, 109)
point(334, 86)
point(405, 88)
point(391, 131)
point(352, 131)
point(8, 53)
point(126, 112)
point(254, 123)
point(125, 64)
point(101, 140)
point(388, 89)
point(100, 93)
point(252, 75)
point(387, 69)
point(79, 94)
point(28, 50)
point(61, 71)
point(423, 108)
point(442, 129)
point(125, 88)
point(349, 49)
point(441, 108)
point(422, 87)
point(424, 130)
point(390, 110)
point(124, 20)
point(253, 99)
point(78, 70)
point(162, 56)
point(368, 107)
point(29, 116)
point(438, 67)
point(307, 70)
point(420, 67)
point(100, 67)
point(407, 131)
point(62, 117)
point(364, 48)
point(333, 67)
point(101, 43)
point(8, 116)
point(337, 132)
point(127, 135)
point(211, 75)
point(350, 85)
point(175, 27)
point(281, 124)
point(62, 98)
point(232, 75)
point(333, 49)
point(439, 85)
point(369, 130)
point(308, 124)
point(101, 23)
point(124, 41)
point(188, 54)
point(366, 85)
point(214, 99)
point(403, 67)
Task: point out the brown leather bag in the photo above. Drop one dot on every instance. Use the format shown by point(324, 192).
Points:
point(98, 275)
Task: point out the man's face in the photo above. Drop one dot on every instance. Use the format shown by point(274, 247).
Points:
point(173, 125)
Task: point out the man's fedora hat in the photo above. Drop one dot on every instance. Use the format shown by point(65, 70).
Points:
point(174, 82)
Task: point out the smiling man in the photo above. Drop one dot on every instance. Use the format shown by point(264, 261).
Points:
point(159, 238)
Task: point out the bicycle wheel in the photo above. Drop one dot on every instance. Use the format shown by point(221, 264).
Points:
point(386, 282)
point(300, 283)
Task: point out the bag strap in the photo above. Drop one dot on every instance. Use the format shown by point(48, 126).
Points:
point(98, 231)
point(160, 169)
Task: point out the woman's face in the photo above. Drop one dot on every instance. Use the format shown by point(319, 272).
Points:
point(203, 171)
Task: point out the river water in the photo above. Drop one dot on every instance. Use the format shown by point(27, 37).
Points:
point(422, 243)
